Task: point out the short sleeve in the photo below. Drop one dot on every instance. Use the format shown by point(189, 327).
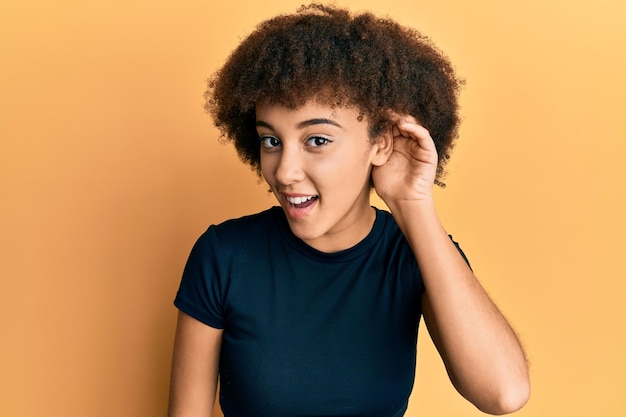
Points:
point(200, 292)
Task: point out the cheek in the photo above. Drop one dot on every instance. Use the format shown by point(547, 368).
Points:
point(351, 170)
point(358, 162)
point(267, 164)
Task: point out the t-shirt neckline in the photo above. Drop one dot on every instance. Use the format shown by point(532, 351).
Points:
point(359, 249)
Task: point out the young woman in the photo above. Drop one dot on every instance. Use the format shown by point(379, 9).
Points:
point(312, 308)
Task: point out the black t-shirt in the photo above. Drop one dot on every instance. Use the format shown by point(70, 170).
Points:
point(307, 333)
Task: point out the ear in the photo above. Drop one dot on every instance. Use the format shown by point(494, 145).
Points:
point(383, 148)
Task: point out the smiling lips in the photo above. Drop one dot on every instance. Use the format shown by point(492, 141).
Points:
point(302, 201)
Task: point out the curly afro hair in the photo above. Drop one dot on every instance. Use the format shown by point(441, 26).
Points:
point(327, 54)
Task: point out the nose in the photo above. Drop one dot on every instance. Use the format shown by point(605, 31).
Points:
point(290, 169)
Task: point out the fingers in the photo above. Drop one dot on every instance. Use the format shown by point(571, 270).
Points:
point(407, 126)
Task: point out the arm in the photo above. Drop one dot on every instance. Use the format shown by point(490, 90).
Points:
point(195, 366)
point(481, 352)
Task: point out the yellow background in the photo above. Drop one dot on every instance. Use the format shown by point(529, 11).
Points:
point(109, 170)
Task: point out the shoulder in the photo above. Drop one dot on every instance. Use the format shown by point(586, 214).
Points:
point(388, 227)
point(240, 232)
point(225, 244)
point(246, 226)
point(396, 239)
point(250, 220)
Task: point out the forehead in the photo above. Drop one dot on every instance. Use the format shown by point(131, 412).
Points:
point(310, 110)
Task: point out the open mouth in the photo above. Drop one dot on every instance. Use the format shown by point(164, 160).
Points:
point(302, 202)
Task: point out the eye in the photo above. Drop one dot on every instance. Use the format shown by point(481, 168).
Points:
point(317, 141)
point(269, 142)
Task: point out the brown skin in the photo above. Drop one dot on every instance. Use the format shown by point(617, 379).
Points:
point(484, 358)
point(342, 59)
point(324, 154)
point(481, 352)
point(368, 66)
point(195, 366)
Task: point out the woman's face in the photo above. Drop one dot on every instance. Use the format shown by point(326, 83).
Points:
point(317, 161)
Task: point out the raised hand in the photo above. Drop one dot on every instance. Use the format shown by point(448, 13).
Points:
point(409, 173)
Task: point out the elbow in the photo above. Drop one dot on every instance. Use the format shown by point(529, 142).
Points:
point(495, 390)
point(508, 399)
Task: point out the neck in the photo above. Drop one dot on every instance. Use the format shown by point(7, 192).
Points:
point(355, 227)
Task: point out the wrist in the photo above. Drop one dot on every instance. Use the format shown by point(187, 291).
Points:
point(414, 214)
point(412, 208)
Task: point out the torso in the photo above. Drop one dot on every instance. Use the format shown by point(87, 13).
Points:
point(311, 333)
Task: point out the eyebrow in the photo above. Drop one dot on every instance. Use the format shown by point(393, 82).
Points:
point(302, 125)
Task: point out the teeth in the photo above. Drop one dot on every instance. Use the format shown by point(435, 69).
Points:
point(299, 200)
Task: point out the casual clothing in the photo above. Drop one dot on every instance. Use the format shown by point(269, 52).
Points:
point(307, 333)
